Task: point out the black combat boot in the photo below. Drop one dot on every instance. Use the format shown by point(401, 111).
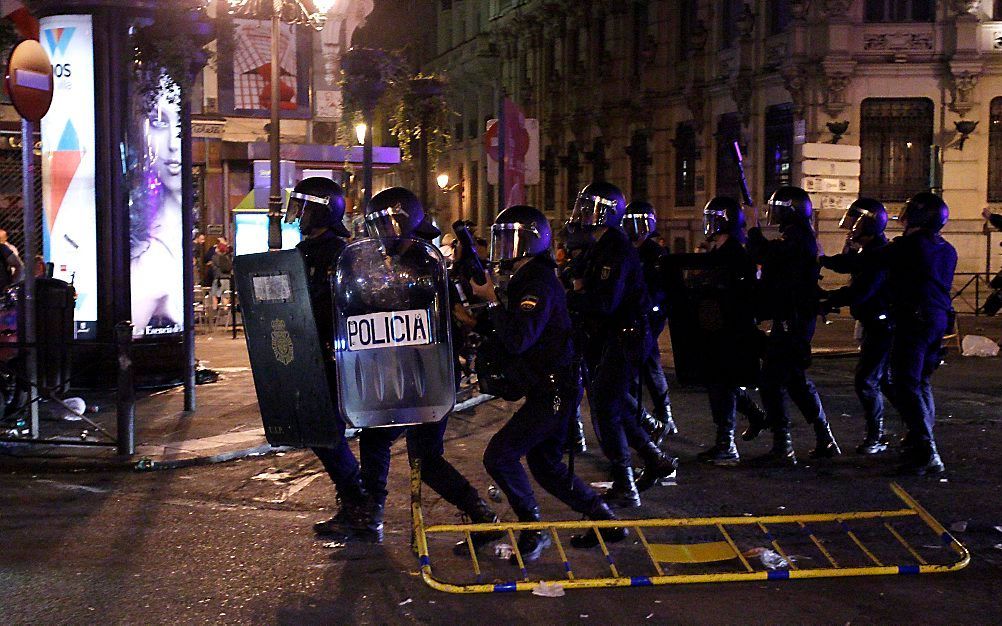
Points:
point(757, 421)
point(479, 512)
point(923, 461)
point(656, 429)
point(600, 511)
point(875, 442)
point(723, 452)
point(348, 502)
point(624, 491)
point(531, 543)
point(781, 455)
point(657, 465)
point(825, 447)
point(664, 414)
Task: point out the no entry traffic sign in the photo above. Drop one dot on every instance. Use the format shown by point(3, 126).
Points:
point(29, 80)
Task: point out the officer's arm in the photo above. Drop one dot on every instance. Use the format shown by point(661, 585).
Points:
point(845, 263)
point(520, 326)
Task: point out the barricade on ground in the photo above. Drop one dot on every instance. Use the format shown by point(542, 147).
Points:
point(673, 551)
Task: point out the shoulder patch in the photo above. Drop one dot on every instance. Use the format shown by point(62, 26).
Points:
point(528, 303)
point(606, 272)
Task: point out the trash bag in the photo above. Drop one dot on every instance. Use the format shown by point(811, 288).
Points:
point(976, 345)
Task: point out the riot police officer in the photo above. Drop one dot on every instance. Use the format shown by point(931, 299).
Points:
point(395, 215)
point(868, 297)
point(639, 224)
point(732, 350)
point(317, 203)
point(789, 298)
point(920, 266)
point(533, 327)
point(611, 301)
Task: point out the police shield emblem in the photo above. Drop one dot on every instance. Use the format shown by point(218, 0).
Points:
point(281, 342)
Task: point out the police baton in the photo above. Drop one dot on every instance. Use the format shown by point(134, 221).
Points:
point(745, 192)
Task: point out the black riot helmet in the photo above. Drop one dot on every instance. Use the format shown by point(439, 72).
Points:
point(789, 205)
point(925, 210)
point(870, 218)
point(519, 231)
point(859, 207)
point(639, 220)
point(598, 204)
point(397, 212)
point(317, 202)
point(723, 215)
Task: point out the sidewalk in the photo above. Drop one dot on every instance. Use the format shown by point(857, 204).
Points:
point(226, 424)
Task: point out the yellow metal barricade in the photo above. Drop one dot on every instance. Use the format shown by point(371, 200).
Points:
point(722, 550)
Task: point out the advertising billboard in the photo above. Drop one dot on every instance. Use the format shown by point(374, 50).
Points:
point(155, 230)
point(68, 163)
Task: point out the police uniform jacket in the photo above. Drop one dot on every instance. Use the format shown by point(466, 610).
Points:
point(615, 296)
point(867, 295)
point(734, 347)
point(535, 327)
point(651, 254)
point(320, 255)
point(788, 291)
point(920, 269)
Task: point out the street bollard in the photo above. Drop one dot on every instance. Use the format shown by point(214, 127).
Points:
point(126, 402)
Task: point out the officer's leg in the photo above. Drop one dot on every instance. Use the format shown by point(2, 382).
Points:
point(757, 419)
point(907, 360)
point(374, 449)
point(657, 386)
point(805, 395)
point(776, 371)
point(871, 369)
point(359, 516)
point(503, 460)
point(925, 457)
point(723, 403)
point(605, 394)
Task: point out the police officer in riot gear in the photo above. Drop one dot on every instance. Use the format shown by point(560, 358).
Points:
point(395, 215)
point(732, 348)
point(920, 266)
point(639, 223)
point(789, 298)
point(611, 301)
point(534, 328)
point(868, 297)
point(317, 203)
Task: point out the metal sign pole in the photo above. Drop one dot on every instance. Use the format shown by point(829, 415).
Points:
point(28, 193)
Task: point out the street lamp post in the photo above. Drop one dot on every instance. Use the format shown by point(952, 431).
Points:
point(297, 12)
point(364, 86)
point(443, 184)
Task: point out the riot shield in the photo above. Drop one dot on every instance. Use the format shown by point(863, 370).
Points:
point(713, 333)
point(285, 352)
point(392, 333)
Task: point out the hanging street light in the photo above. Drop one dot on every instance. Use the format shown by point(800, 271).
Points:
point(311, 13)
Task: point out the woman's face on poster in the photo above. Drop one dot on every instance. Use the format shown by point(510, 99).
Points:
point(165, 142)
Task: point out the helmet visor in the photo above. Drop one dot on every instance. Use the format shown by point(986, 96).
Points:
point(591, 211)
point(390, 222)
point(637, 226)
point(848, 219)
point(297, 205)
point(512, 241)
point(776, 211)
point(714, 222)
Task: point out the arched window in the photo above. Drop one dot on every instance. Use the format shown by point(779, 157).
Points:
point(895, 136)
point(900, 10)
point(995, 152)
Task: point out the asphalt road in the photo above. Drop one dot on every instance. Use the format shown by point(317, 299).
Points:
point(232, 542)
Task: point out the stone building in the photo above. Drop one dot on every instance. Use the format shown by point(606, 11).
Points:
point(652, 95)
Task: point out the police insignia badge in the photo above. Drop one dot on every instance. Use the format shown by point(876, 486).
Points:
point(528, 303)
point(606, 272)
point(281, 342)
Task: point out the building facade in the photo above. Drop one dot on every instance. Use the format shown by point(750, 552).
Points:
point(653, 94)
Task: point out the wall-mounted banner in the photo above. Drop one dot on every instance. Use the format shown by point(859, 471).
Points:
point(68, 147)
point(155, 231)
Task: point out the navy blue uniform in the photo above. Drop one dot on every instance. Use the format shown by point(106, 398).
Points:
point(789, 298)
point(424, 442)
point(920, 268)
point(320, 254)
point(535, 328)
point(868, 297)
point(613, 307)
point(652, 374)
